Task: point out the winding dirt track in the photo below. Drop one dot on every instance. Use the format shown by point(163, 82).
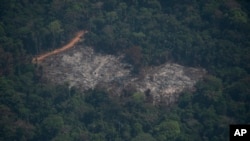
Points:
point(71, 44)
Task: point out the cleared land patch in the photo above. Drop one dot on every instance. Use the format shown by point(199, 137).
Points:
point(83, 68)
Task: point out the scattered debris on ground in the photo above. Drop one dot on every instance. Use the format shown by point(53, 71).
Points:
point(83, 68)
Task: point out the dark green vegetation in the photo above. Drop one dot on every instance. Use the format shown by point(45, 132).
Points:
point(211, 34)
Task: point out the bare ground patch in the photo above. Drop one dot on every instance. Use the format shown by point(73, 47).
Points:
point(84, 69)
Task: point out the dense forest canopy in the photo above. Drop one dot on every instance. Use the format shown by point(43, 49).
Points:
point(210, 34)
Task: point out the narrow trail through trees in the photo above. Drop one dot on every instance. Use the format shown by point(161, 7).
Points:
point(40, 58)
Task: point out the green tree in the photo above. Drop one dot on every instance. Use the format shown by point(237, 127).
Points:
point(137, 129)
point(56, 30)
point(209, 91)
point(52, 125)
point(143, 137)
point(167, 130)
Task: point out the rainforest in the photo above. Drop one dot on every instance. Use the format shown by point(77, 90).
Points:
point(55, 54)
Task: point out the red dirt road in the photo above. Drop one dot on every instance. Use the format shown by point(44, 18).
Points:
point(71, 44)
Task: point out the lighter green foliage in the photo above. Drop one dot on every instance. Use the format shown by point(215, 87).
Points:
point(55, 27)
point(168, 130)
point(238, 16)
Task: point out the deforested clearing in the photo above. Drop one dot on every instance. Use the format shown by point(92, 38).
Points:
point(83, 68)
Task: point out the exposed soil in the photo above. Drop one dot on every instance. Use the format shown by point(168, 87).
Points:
point(40, 58)
point(83, 68)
